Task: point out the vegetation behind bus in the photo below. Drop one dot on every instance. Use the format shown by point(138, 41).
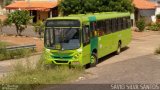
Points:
point(20, 18)
point(94, 6)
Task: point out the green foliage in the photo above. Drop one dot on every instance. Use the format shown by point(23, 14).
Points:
point(3, 44)
point(158, 16)
point(93, 6)
point(20, 19)
point(154, 27)
point(7, 2)
point(141, 24)
point(39, 28)
point(71, 6)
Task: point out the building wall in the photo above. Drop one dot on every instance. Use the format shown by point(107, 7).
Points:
point(147, 14)
point(42, 15)
point(155, 1)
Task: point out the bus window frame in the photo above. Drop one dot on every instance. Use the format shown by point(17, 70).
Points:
point(85, 42)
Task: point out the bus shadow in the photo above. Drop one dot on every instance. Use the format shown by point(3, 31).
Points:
point(111, 55)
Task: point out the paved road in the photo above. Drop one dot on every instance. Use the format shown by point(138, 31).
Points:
point(143, 69)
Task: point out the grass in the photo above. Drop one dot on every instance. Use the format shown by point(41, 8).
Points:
point(38, 74)
point(4, 44)
point(29, 75)
point(157, 51)
point(12, 54)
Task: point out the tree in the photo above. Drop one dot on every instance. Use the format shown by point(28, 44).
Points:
point(20, 19)
point(39, 28)
point(7, 2)
point(92, 6)
point(71, 7)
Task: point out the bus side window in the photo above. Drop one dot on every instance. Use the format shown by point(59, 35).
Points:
point(124, 23)
point(113, 25)
point(108, 30)
point(110, 25)
point(128, 22)
point(86, 35)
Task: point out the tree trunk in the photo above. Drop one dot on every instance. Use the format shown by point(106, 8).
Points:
point(20, 32)
point(17, 29)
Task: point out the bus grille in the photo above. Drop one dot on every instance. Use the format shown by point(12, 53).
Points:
point(57, 57)
point(57, 61)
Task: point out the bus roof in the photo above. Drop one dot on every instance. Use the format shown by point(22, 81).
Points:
point(92, 16)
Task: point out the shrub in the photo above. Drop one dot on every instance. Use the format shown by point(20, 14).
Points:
point(20, 18)
point(39, 28)
point(141, 24)
point(154, 27)
point(158, 16)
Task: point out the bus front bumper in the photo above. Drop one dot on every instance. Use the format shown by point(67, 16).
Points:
point(63, 62)
point(73, 61)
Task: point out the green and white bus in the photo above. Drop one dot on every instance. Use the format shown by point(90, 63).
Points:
point(84, 38)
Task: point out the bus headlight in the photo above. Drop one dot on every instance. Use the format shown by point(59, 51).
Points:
point(76, 56)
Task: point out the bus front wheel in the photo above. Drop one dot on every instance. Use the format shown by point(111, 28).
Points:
point(94, 60)
point(118, 49)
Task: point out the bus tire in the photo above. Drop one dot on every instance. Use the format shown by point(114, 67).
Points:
point(118, 49)
point(95, 60)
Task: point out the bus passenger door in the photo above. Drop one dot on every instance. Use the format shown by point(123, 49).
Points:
point(94, 37)
point(86, 45)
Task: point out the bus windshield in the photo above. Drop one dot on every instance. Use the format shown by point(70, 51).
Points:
point(62, 38)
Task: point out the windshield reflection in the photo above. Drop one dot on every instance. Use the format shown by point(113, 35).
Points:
point(62, 38)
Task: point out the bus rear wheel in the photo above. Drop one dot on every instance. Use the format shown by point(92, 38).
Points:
point(118, 49)
point(94, 60)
